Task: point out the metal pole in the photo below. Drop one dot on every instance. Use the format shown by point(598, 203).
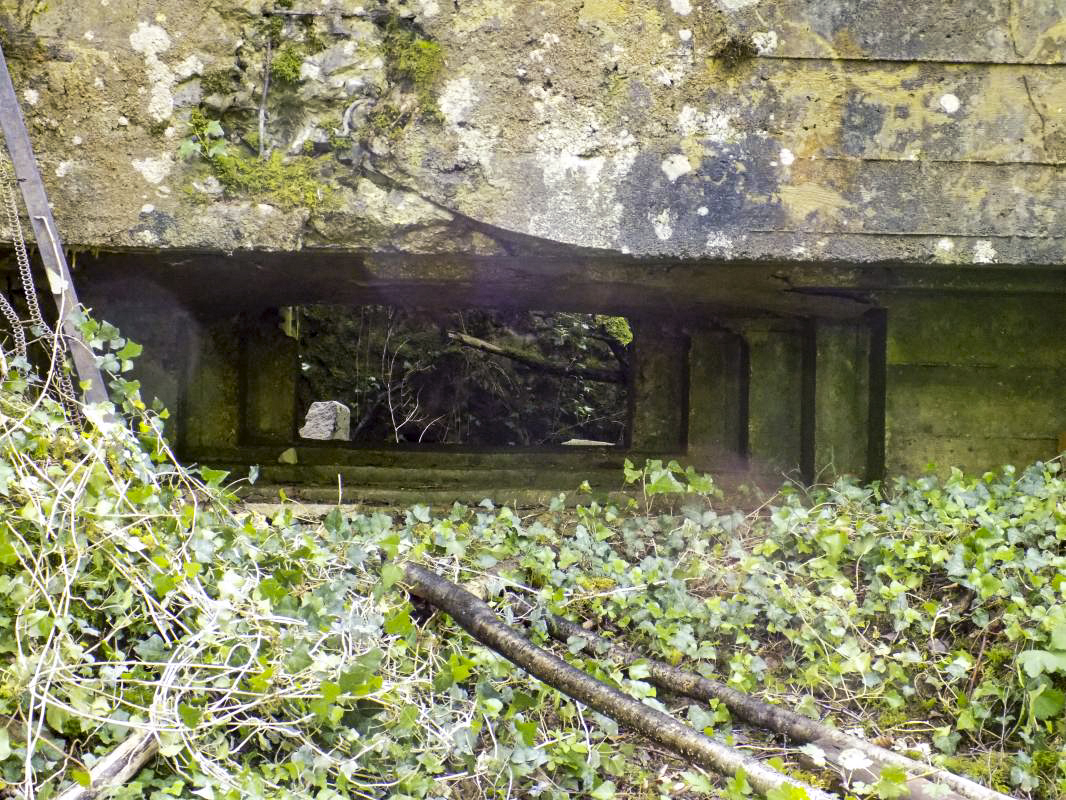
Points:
point(49, 245)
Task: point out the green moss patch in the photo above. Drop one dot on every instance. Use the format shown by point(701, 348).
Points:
point(287, 184)
point(412, 58)
point(285, 67)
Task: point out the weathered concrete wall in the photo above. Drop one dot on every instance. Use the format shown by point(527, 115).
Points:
point(977, 382)
point(926, 133)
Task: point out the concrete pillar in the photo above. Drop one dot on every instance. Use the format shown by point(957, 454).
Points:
point(211, 403)
point(718, 400)
point(658, 393)
point(842, 400)
point(269, 369)
point(779, 381)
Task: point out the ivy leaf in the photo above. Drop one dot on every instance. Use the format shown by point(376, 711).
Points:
point(399, 623)
point(163, 583)
point(5, 744)
point(81, 777)
point(527, 730)
point(213, 477)
point(1040, 662)
point(605, 791)
point(390, 574)
point(214, 129)
point(1058, 636)
point(130, 350)
point(330, 691)
point(190, 715)
point(188, 148)
point(1047, 702)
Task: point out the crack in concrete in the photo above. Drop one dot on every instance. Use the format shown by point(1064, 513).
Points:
point(1010, 29)
point(1036, 109)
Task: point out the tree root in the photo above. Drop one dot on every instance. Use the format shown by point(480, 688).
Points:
point(475, 617)
point(924, 782)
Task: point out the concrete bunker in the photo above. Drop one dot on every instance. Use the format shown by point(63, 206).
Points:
point(786, 385)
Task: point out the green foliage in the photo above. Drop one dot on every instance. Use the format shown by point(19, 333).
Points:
point(285, 183)
point(206, 139)
point(219, 81)
point(411, 57)
point(291, 183)
point(286, 63)
point(405, 380)
point(617, 327)
point(387, 121)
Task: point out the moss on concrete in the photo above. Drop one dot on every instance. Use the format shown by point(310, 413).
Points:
point(285, 66)
point(411, 57)
point(219, 81)
point(285, 183)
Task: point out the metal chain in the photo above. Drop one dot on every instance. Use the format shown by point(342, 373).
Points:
point(65, 386)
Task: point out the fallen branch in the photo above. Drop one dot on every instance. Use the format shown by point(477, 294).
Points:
point(117, 767)
point(477, 619)
point(922, 778)
point(536, 362)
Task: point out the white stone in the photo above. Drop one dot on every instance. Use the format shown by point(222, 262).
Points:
point(151, 40)
point(675, 166)
point(945, 245)
point(682, 7)
point(714, 124)
point(147, 208)
point(703, 211)
point(664, 224)
point(192, 65)
point(685, 35)
point(31, 96)
point(327, 420)
point(736, 5)
point(76, 141)
point(786, 157)
point(984, 252)
point(765, 41)
point(63, 168)
point(154, 170)
point(950, 103)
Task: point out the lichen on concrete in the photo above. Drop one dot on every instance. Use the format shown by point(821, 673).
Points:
point(595, 124)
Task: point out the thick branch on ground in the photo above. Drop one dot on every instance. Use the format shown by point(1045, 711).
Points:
point(477, 619)
point(922, 777)
point(537, 362)
point(116, 768)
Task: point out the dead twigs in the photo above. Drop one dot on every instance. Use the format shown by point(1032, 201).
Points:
point(922, 779)
point(116, 768)
point(476, 618)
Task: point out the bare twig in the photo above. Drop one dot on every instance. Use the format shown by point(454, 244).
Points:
point(921, 777)
point(537, 362)
point(477, 619)
point(263, 99)
point(116, 768)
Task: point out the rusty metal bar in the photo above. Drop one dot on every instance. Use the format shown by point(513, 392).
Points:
point(45, 231)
